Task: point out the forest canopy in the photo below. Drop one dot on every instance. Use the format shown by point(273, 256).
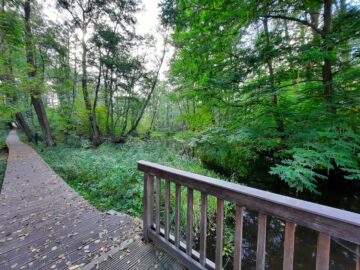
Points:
point(252, 85)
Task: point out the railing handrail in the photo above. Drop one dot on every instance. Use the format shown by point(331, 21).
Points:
point(335, 222)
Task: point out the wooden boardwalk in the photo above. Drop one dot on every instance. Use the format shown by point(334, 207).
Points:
point(44, 224)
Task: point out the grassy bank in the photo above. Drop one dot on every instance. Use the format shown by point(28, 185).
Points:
point(108, 177)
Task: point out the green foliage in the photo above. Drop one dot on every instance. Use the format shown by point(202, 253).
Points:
point(279, 94)
point(108, 175)
point(332, 150)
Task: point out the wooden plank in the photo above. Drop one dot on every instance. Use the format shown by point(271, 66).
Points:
point(357, 258)
point(323, 252)
point(261, 242)
point(167, 209)
point(219, 234)
point(195, 255)
point(203, 228)
point(332, 221)
point(185, 260)
point(189, 230)
point(158, 199)
point(148, 205)
point(289, 243)
point(44, 223)
point(177, 214)
point(238, 237)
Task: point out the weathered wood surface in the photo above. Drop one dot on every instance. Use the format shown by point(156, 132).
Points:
point(135, 256)
point(44, 224)
point(328, 221)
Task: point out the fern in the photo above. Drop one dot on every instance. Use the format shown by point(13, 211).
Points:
point(334, 149)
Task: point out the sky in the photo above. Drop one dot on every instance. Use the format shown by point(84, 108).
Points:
point(148, 17)
point(147, 22)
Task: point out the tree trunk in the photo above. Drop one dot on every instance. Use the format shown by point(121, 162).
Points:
point(35, 94)
point(75, 78)
point(327, 66)
point(274, 101)
point(24, 126)
point(152, 88)
point(95, 134)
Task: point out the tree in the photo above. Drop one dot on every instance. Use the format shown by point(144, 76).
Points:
point(34, 86)
point(85, 15)
point(263, 82)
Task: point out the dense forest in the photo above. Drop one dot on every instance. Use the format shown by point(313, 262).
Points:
point(269, 86)
point(262, 93)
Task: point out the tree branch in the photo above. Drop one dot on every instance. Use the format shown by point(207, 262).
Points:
point(304, 22)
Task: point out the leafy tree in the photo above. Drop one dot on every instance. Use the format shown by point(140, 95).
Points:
point(264, 81)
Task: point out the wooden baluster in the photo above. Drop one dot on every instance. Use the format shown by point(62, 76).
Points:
point(219, 234)
point(357, 258)
point(189, 231)
point(289, 242)
point(158, 194)
point(148, 205)
point(203, 228)
point(323, 252)
point(261, 242)
point(167, 209)
point(238, 237)
point(177, 214)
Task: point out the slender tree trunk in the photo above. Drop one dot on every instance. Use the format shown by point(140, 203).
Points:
point(154, 114)
point(106, 99)
point(111, 109)
point(274, 101)
point(96, 140)
point(152, 88)
point(96, 135)
point(74, 79)
point(327, 66)
point(35, 93)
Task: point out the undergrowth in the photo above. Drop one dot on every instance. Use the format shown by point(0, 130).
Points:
point(108, 176)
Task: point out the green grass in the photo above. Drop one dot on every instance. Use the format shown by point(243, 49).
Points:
point(108, 176)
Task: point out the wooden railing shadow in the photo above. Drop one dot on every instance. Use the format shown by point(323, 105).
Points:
point(327, 221)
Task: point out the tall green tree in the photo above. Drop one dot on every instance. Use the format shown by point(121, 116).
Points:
point(272, 82)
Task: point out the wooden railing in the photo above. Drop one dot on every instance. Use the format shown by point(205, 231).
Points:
point(329, 222)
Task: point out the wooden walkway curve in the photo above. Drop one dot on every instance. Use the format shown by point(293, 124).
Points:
point(44, 224)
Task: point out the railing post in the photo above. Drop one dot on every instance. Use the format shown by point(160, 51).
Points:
point(261, 242)
point(219, 234)
point(148, 205)
point(238, 237)
point(357, 267)
point(289, 245)
point(323, 252)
